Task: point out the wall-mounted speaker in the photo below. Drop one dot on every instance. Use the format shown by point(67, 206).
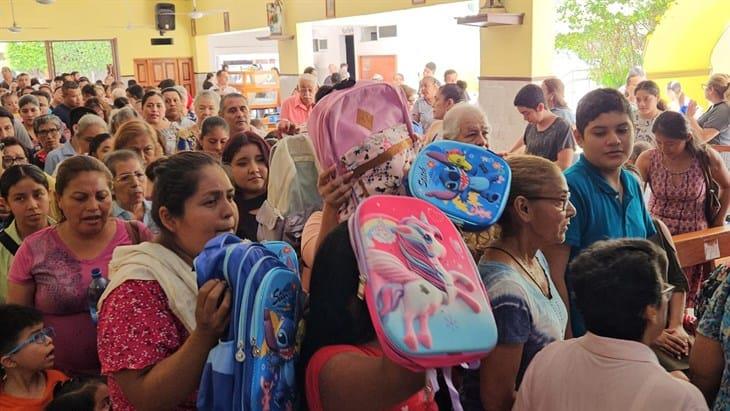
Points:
point(165, 16)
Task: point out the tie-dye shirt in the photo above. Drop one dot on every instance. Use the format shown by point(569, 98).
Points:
point(524, 315)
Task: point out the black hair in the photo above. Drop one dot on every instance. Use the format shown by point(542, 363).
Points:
point(675, 126)
point(34, 81)
point(69, 85)
point(321, 92)
point(309, 70)
point(452, 92)
point(13, 320)
point(5, 113)
point(88, 90)
point(176, 180)
point(219, 72)
point(597, 102)
point(97, 141)
point(72, 166)
point(614, 281)
point(432, 66)
point(58, 78)
point(336, 316)
point(149, 94)
point(41, 93)
point(211, 123)
point(448, 73)
point(17, 173)
point(235, 143)
point(209, 76)
point(530, 96)
point(653, 89)
point(166, 89)
point(78, 113)
point(77, 394)
point(166, 83)
point(335, 78)
point(136, 91)
point(132, 82)
point(12, 141)
point(120, 102)
point(149, 170)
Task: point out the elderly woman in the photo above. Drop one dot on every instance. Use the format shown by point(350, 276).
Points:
point(48, 130)
point(129, 187)
point(206, 104)
point(140, 137)
point(121, 116)
point(526, 305)
point(296, 109)
point(468, 124)
point(714, 125)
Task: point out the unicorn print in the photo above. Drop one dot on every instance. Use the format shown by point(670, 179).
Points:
point(419, 284)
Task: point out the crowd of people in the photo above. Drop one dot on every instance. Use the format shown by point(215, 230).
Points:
point(132, 182)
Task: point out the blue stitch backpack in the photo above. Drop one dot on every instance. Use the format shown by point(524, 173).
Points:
point(253, 366)
point(470, 184)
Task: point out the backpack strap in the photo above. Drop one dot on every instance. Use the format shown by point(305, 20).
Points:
point(382, 158)
point(8, 242)
point(133, 231)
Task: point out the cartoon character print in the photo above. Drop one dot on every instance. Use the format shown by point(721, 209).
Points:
point(419, 285)
point(278, 389)
point(461, 179)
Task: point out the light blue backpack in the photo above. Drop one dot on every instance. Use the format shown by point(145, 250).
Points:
point(253, 367)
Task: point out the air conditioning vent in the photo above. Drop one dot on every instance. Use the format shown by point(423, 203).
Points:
point(165, 41)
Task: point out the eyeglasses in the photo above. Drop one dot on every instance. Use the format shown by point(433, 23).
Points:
point(43, 133)
point(37, 337)
point(9, 161)
point(127, 178)
point(564, 201)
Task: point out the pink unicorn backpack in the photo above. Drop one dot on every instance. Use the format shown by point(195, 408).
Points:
point(365, 129)
point(426, 298)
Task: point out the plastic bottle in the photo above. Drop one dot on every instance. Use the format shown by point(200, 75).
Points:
point(96, 289)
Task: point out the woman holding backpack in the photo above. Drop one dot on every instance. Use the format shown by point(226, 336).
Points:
point(24, 188)
point(155, 327)
point(342, 365)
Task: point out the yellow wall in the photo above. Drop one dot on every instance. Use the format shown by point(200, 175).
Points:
point(681, 47)
point(520, 51)
point(94, 19)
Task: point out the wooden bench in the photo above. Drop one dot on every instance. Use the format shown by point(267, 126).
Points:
point(699, 247)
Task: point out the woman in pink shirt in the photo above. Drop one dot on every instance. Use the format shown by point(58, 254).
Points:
point(52, 268)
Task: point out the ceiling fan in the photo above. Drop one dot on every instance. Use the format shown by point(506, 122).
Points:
point(15, 28)
point(195, 14)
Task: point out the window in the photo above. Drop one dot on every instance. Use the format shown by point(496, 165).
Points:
point(323, 44)
point(388, 31)
point(92, 59)
point(315, 45)
point(369, 33)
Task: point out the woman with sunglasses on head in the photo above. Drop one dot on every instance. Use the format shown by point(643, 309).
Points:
point(526, 305)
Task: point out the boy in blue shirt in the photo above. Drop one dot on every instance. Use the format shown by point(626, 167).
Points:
point(608, 201)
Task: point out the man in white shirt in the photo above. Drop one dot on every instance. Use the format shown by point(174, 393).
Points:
point(620, 292)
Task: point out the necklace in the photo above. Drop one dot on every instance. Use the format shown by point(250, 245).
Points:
point(547, 294)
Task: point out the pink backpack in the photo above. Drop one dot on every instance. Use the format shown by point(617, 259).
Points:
point(365, 129)
point(426, 298)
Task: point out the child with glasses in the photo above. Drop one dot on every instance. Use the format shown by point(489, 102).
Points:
point(26, 356)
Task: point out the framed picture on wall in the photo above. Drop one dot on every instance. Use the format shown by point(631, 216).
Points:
point(418, 1)
point(330, 8)
point(274, 17)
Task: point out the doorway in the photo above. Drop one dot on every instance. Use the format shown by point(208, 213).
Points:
point(385, 66)
point(350, 54)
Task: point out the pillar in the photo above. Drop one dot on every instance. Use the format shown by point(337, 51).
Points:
point(511, 57)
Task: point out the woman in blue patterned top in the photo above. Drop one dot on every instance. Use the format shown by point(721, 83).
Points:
point(709, 368)
point(526, 305)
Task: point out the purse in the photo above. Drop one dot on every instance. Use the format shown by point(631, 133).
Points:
point(712, 191)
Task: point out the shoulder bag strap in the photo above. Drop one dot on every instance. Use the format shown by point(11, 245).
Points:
point(8, 242)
